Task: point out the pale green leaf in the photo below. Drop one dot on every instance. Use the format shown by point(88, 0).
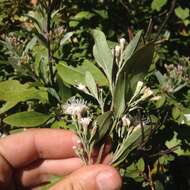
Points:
point(66, 37)
point(175, 144)
point(75, 75)
point(182, 13)
point(158, 4)
point(70, 74)
point(102, 53)
point(91, 84)
point(13, 92)
point(119, 103)
point(27, 119)
point(132, 46)
point(141, 164)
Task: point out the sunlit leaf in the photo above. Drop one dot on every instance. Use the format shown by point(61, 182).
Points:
point(27, 119)
point(158, 4)
point(102, 53)
point(13, 92)
point(91, 84)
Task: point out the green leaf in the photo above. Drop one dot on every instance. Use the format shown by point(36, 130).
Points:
point(54, 93)
point(66, 37)
point(91, 84)
point(75, 75)
point(95, 71)
point(176, 145)
point(133, 172)
point(176, 112)
point(141, 165)
point(119, 102)
point(64, 91)
point(102, 53)
point(7, 106)
point(132, 46)
point(30, 45)
point(83, 15)
point(135, 139)
point(70, 74)
point(43, 70)
point(27, 119)
point(12, 92)
point(137, 67)
point(158, 4)
point(161, 78)
point(182, 13)
point(104, 123)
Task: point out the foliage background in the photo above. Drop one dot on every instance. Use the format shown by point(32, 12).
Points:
point(165, 162)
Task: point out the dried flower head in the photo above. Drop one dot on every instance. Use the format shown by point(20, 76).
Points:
point(75, 107)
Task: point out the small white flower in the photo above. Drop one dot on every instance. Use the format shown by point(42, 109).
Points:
point(85, 121)
point(156, 98)
point(75, 107)
point(148, 92)
point(126, 121)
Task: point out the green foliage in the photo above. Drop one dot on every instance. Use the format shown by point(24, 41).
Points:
point(47, 56)
point(27, 119)
point(158, 4)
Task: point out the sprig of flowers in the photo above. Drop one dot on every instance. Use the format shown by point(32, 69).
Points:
point(86, 129)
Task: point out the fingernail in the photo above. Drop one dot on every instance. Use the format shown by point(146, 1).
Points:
point(105, 181)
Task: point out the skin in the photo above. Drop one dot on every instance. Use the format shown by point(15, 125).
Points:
point(28, 159)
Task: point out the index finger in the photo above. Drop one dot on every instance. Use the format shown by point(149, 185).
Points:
point(23, 148)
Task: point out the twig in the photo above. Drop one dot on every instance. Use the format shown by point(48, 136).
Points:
point(49, 43)
point(166, 19)
point(151, 183)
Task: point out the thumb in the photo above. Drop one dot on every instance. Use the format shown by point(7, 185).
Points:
point(94, 177)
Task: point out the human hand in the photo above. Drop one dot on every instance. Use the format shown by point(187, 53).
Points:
point(28, 159)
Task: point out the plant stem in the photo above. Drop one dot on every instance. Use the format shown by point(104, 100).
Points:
point(49, 42)
point(166, 19)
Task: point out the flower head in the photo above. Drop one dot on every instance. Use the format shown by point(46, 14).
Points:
point(85, 121)
point(75, 107)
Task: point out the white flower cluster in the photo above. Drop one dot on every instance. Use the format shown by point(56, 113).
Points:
point(75, 107)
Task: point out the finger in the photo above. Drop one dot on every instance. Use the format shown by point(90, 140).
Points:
point(94, 177)
point(23, 148)
point(40, 172)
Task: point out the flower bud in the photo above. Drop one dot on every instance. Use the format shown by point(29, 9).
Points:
point(85, 121)
point(126, 121)
point(156, 98)
point(117, 51)
point(147, 93)
point(122, 43)
point(138, 87)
